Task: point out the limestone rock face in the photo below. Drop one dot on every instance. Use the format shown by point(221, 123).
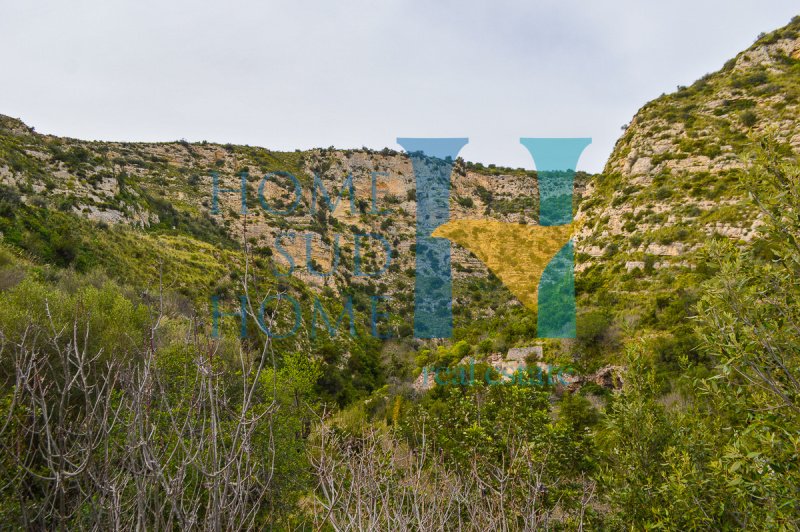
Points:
point(142, 185)
point(522, 353)
point(609, 377)
point(676, 177)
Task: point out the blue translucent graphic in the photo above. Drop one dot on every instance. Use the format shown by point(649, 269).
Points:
point(556, 160)
point(387, 249)
point(319, 186)
point(556, 315)
point(261, 318)
point(310, 261)
point(432, 161)
point(215, 191)
point(297, 193)
point(216, 314)
point(333, 330)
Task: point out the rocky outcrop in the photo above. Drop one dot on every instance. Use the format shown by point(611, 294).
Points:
point(608, 377)
point(680, 153)
point(677, 178)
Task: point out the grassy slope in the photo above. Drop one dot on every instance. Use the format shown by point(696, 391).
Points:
point(674, 182)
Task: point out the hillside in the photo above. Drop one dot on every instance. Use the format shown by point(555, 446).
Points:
point(671, 184)
point(676, 407)
point(675, 181)
point(146, 214)
point(168, 188)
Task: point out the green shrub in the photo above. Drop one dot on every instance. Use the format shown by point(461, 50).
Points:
point(748, 118)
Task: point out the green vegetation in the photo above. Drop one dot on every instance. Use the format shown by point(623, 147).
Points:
point(120, 407)
point(701, 435)
point(721, 451)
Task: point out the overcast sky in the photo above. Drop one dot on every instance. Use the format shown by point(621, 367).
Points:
point(350, 73)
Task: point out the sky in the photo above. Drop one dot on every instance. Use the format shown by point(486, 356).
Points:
point(350, 73)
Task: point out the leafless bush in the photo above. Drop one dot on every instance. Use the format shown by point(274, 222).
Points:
point(91, 442)
point(374, 482)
